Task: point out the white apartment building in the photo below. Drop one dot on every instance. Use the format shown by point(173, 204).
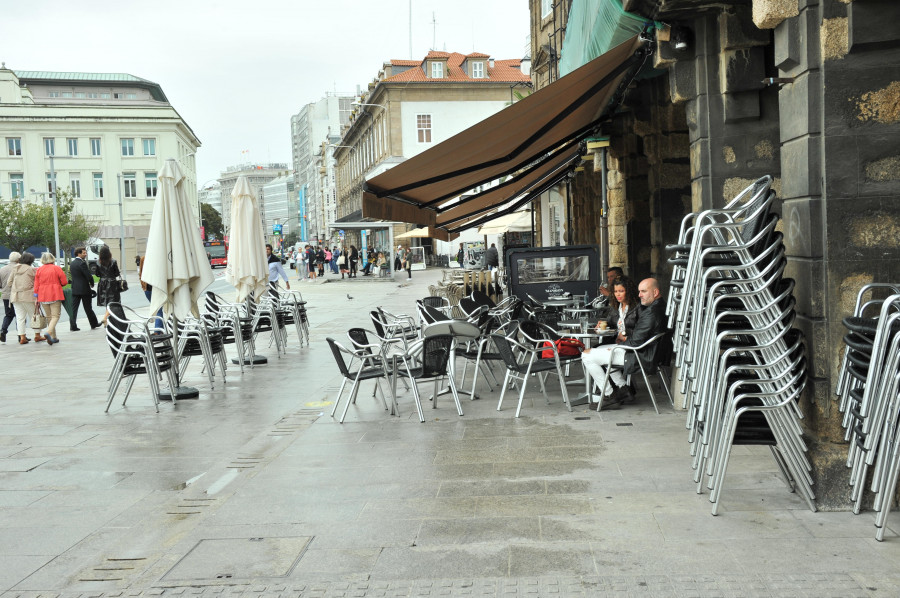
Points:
point(309, 129)
point(211, 194)
point(258, 175)
point(108, 135)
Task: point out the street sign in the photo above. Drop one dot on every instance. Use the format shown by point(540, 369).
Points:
point(276, 229)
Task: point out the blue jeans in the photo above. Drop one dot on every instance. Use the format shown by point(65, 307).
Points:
point(159, 315)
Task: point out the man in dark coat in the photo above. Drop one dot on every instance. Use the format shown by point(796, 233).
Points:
point(82, 283)
point(651, 321)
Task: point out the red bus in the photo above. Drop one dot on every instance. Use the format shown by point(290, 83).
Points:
point(217, 252)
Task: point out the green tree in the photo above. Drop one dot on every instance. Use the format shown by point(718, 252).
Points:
point(212, 220)
point(74, 227)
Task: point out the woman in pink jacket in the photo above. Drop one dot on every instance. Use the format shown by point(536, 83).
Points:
point(49, 281)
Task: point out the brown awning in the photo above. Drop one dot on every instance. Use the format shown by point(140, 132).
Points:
point(542, 128)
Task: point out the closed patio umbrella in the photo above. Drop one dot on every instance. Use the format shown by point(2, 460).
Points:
point(175, 263)
point(247, 270)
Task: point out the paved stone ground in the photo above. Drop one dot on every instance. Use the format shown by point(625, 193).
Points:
point(254, 490)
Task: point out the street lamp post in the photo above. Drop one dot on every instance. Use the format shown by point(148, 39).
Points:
point(55, 213)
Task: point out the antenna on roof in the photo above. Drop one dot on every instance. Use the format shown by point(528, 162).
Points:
point(410, 30)
point(433, 31)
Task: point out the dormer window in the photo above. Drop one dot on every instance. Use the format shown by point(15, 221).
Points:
point(437, 70)
point(478, 70)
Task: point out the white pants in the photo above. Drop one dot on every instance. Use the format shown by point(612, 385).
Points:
point(597, 358)
point(24, 311)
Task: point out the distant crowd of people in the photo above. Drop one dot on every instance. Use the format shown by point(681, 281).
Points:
point(312, 262)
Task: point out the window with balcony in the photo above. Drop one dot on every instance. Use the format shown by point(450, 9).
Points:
point(127, 146)
point(14, 146)
point(423, 128)
point(130, 181)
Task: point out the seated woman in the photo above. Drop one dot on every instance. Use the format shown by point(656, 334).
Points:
point(623, 308)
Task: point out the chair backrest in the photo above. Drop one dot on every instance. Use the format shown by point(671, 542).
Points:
point(360, 338)
point(505, 349)
point(436, 355)
point(336, 350)
point(535, 330)
point(482, 299)
point(434, 301)
point(432, 315)
point(377, 323)
point(115, 331)
point(469, 306)
point(664, 350)
point(212, 302)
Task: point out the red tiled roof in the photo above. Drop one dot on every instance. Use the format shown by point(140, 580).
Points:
point(478, 55)
point(503, 70)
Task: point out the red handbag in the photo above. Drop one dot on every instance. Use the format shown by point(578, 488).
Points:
point(566, 347)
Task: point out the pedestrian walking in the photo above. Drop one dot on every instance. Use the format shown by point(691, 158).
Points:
point(398, 264)
point(328, 258)
point(300, 263)
point(82, 285)
point(9, 312)
point(108, 290)
point(335, 256)
point(320, 261)
point(354, 259)
point(49, 281)
point(21, 295)
point(276, 270)
point(311, 262)
point(342, 262)
point(405, 261)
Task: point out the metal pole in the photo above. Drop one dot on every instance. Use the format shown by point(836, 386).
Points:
point(55, 213)
point(604, 217)
point(123, 266)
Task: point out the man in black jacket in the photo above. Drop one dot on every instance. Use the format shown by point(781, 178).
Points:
point(651, 321)
point(82, 283)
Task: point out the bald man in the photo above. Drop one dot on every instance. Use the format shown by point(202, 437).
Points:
point(651, 321)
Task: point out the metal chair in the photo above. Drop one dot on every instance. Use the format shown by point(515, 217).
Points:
point(137, 352)
point(428, 359)
point(662, 357)
point(368, 367)
point(527, 361)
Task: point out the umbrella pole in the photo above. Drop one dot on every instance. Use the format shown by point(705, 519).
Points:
point(180, 392)
point(254, 359)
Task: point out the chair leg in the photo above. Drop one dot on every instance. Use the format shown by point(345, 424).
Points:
point(649, 388)
point(452, 384)
point(338, 399)
point(128, 389)
point(522, 391)
point(665, 384)
point(503, 390)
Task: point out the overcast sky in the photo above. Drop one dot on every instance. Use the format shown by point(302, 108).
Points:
point(237, 71)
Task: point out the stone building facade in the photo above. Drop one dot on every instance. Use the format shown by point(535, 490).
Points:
point(804, 90)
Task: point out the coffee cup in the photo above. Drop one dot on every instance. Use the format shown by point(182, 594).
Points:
point(602, 325)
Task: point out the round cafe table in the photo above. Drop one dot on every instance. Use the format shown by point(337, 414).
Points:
point(586, 337)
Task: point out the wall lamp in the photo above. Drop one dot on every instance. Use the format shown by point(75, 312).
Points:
point(680, 38)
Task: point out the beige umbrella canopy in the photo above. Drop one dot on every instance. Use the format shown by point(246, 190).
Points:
point(247, 269)
point(423, 233)
point(515, 222)
point(175, 263)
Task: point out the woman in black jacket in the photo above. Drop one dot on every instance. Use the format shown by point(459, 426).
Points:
point(354, 259)
point(623, 308)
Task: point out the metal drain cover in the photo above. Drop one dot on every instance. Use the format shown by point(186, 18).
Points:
point(239, 558)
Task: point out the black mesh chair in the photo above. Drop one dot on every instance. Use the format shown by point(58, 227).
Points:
point(137, 352)
point(429, 360)
point(367, 368)
point(482, 298)
point(521, 361)
point(196, 339)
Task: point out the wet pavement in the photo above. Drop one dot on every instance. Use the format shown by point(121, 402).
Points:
point(254, 490)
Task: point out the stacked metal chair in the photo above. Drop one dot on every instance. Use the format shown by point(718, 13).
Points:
point(235, 326)
point(742, 365)
point(868, 385)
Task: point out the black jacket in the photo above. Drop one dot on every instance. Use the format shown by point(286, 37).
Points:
point(651, 321)
point(82, 281)
point(631, 318)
